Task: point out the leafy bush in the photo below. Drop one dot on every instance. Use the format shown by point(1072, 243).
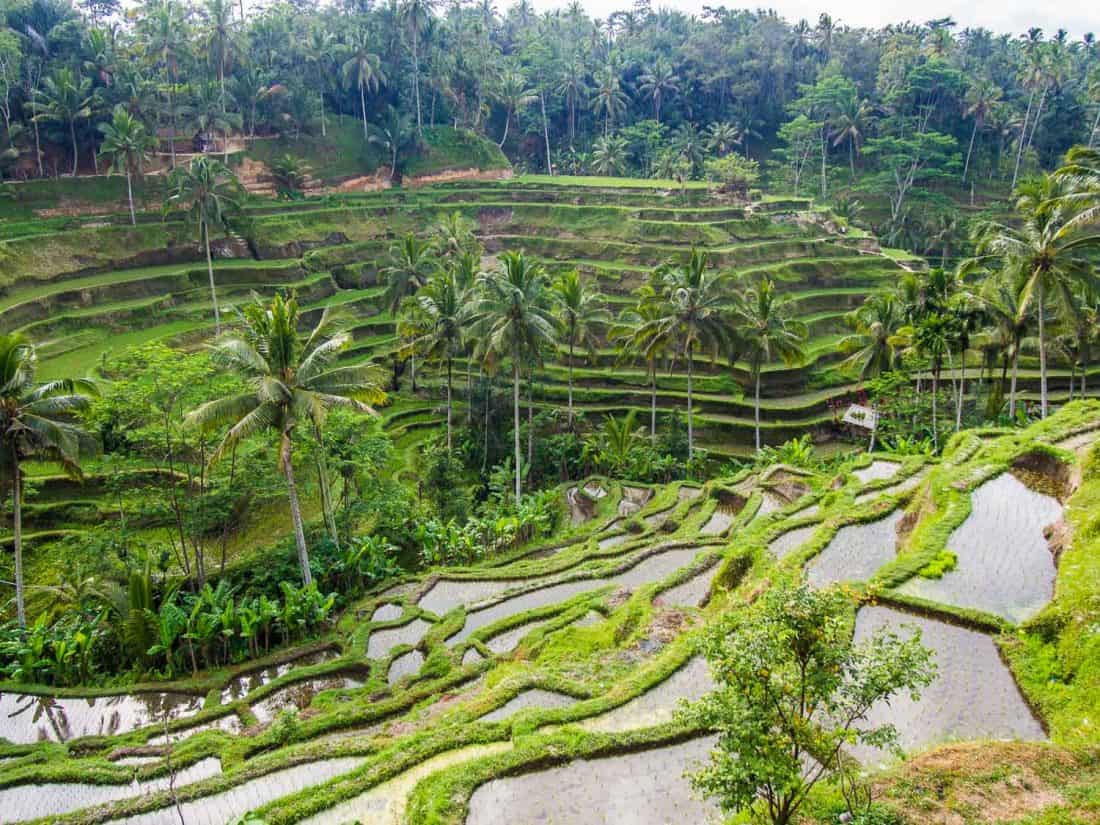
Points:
point(734, 173)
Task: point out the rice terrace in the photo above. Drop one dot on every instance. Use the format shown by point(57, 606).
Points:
point(438, 414)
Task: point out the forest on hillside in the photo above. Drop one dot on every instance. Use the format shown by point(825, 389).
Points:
point(904, 120)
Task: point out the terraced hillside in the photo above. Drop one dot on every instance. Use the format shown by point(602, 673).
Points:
point(103, 288)
point(523, 689)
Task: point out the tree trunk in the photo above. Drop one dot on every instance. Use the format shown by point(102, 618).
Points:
point(324, 122)
point(17, 537)
point(1095, 126)
point(363, 109)
point(416, 78)
point(653, 405)
point(449, 405)
point(1020, 142)
point(691, 430)
point(530, 419)
point(1012, 390)
point(546, 132)
point(507, 123)
point(756, 409)
point(76, 150)
point(935, 422)
point(970, 150)
point(824, 177)
point(571, 381)
point(285, 457)
point(515, 421)
point(1042, 356)
point(210, 271)
point(130, 197)
point(323, 483)
point(962, 393)
point(1038, 116)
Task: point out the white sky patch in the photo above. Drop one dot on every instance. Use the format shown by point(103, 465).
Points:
point(1000, 16)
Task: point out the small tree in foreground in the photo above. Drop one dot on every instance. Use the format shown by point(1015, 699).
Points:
point(794, 690)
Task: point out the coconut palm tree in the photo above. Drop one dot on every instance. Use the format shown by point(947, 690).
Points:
point(1047, 250)
point(722, 136)
point(411, 262)
point(417, 15)
point(982, 98)
point(291, 382)
point(636, 332)
point(393, 134)
point(766, 329)
point(66, 98)
point(219, 39)
point(514, 93)
point(693, 315)
point(609, 155)
point(873, 324)
point(207, 115)
point(128, 145)
point(658, 83)
point(210, 192)
point(609, 98)
point(35, 423)
point(512, 317)
point(581, 313)
point(364, 68)
point(442, 305)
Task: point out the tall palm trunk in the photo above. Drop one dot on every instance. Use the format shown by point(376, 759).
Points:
point(76, 150)
point(935, 412)
point(691, 429)
point(1095, 127)
point(363, 109)
point(449, 404)
point(325, 486)
point(962, 394)
point(17, 536)
point(1042, 357)
point(507, 123)
point(515, 420)
point(653, 404)
point(324, 122)
point(285, 457)
point(756, 409)
point(970, 150)
point(416, 79)
point(546, 132)
point(1020, 142)
point(1012, 388)
point(210, 271)
point(571, 342)
point(130, 197)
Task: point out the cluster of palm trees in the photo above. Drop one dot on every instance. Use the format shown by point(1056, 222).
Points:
point(1031, 284)
point(514, 314)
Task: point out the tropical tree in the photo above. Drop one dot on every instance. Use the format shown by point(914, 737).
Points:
point(693, 315)
point(36, 422)
point(393, 134)
point(65, 98)
point(766, 329)
point(515, 95)
point(443, 310)
point(869, 345)
point(638, 333)
point(364, 69)
point(1047, 250)
point(609, 155)
point(722, 136)
point(128, 145)
point(982, 98)
point(608, 99)
point(581, 313)
point(512, 316)
point(408, 268)
point(658, 83)
point(417, 16)
point(291, 381)
point(209, 191)
point(219, 39)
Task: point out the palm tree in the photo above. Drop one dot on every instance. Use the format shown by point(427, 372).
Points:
point(933, 338)
point(609, 154)
point(65, 99)
point(580, 312)
point(164, 32)
point(849, 123)
point(609, 98)
point(409, 266)
point(364, 67)
point(1046, 251)
point(693, 315)
point(207, 115)
point(127, 143)
point(1011, 320)
point(572, 87)
point(393, 134)
point(209, 191)
point(35, 423)
point(873, 325)
point(981, 99)
point(417, 15)
point(722, 136)
point(442, 304)
point(766, 329)
point(291, 381)
point(638, 332)
point(659, 83)
point(515, 94)
point(512, 318)
point(219, 39)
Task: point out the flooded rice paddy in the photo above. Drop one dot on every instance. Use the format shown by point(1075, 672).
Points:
point(691, 593)
point(791, 540)
point(240, 686)
point(1004, 564)
point(657, 705)
point(382, 642)
point(855, 552)
point(876, 471)
point(532, 699)
point(645, 788)
point(25, 719)
point(300, 695)
point(972, 697)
